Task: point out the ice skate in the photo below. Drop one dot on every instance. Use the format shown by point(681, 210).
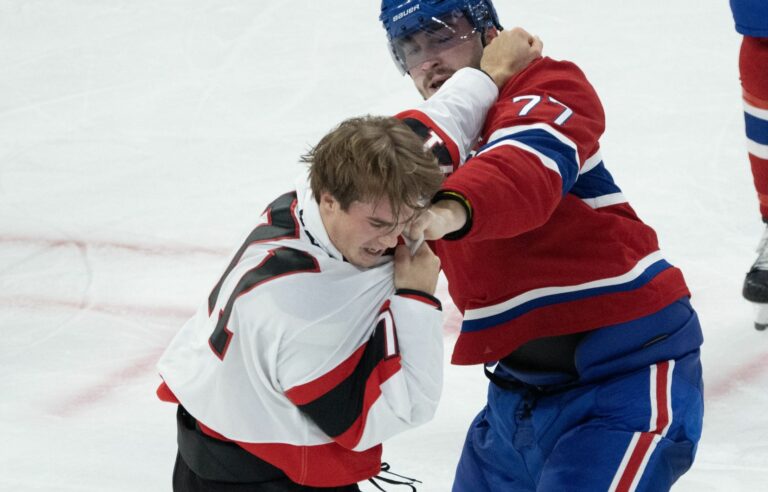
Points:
point(756, 284)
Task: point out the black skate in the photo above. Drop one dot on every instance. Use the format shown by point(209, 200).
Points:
point(756, 284)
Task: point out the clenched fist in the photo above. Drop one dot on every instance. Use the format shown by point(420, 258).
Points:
point(508, 53)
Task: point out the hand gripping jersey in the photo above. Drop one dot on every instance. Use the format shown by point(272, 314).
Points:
point(305, 360)
point(554, 247)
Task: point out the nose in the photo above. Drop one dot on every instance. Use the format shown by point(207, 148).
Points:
point(389, 240)
point(428, 64)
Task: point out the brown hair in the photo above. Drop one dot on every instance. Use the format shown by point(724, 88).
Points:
point(370, 157)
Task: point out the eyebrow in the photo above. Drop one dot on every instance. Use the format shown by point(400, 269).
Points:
point(388, 223)
point(379, 221)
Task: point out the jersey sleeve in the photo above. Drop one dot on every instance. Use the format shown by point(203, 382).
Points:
point(451, 120)
point(538, 137)
point(389, 383)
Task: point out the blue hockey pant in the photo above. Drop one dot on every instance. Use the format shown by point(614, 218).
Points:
point(631, 420)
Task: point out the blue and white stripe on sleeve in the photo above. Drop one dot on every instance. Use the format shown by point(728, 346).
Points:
point(596, 186)
point(554, 150)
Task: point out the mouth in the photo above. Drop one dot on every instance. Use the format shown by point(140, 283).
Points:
point(437, 83)
point(373, 252)
point(435, 80)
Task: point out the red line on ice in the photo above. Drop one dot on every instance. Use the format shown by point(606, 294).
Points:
point(30, 302)
point(146, 249)
point(744, 374)
point(100, 391)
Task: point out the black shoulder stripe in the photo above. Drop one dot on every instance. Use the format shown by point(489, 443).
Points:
point(440, 151)
point(279, 262)
point(338, 409)
point(281, 223)
point(280, 213)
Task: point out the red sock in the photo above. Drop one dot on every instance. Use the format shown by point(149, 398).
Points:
point(753, 68)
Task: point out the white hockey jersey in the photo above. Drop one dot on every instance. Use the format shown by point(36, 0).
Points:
point(305, 360)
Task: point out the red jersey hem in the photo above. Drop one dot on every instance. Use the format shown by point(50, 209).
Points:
point(495, 343)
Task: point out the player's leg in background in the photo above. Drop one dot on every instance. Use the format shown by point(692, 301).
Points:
point(753, 69)
point(751, 21)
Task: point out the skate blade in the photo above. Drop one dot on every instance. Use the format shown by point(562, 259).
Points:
point(761, 316)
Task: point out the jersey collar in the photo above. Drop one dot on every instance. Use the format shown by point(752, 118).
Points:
point(311, 222)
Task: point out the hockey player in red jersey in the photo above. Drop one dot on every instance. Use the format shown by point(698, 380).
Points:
point(314, 346)
point(585, 329)
point(751, 17)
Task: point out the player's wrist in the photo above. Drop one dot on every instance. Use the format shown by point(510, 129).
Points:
point(421, 296)
point(457, 212)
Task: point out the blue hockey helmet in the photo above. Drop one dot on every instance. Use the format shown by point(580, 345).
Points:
point(402, 18)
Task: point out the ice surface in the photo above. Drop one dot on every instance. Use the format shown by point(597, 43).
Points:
point(139, 140)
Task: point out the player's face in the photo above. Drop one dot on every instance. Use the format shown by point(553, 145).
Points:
point(364, 231)
point(432, 56)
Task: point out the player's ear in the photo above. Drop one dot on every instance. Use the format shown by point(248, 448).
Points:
point(328, 202)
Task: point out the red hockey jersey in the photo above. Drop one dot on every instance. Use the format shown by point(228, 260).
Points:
point(554, 247)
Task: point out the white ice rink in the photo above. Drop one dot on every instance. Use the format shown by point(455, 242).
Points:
point(140, 140)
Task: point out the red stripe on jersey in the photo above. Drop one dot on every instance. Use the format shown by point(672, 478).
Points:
point(453, 149)
point(384, 307)
point(323, 465)
point(331, 464)
point(165, 393)
point(308, 392)
point(384, 370)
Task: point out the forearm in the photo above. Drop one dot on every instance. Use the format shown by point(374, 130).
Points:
point(410, 397)
point(454, 116)
point(508, 192)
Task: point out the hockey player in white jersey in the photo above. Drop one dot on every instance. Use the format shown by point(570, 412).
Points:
point(314, 346)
